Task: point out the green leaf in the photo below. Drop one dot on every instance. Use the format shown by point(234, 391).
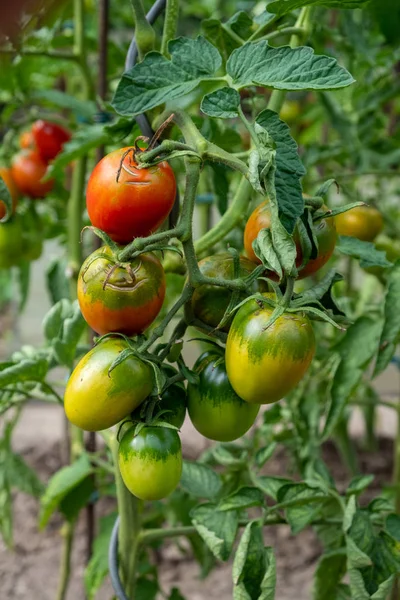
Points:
point(245, 497)
point(218, 529)
point(24, 280)
point(241, 24)
point(54, 319)
point(264, 454)
point(57, 282)
point(356, 350)
point(72, 330)
point(285, 68)
point(289, 169)
point(391, 325)
point(281, 7)
point(365, 251)
point(222, 103)
point(146, 589)
point(6, 199)
point(328, 574)
point(270, 485)
point(25, 370)
point(85, 139)
point(73, 502)
point(254, 573)
point(349, 513)
point(97, 568)
point(358, 484)
point(60, 99)
point(200, 481)
point(302, 504)
point(175, 595)
point(65, 480)
point(23, 477)
point(156, 80)
point(220, 183)
point(356, 558)
point(393, 526)
point(218, 35)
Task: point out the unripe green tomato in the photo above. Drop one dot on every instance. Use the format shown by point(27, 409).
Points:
point(150, 462)
point(11, 243)
point(215, 409)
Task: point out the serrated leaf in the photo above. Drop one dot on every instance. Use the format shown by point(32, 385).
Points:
point(200, 481)
point(264, 454)
point(56, 279)
point(53, 320)
point(356, 558)
point(270, 485)
point(281, 7)
point(217, 529)
point(245, 497)
point(366, 252)
point(349, 513)
point(328, 574)
point(241, 24)
point(358, 484)
point(393, 526)
point(302, 504)
point(65, 480)
point(391, 325)
point(285, 68)
point(25, 370)
point(215, 32)
point(156, 79)
point(72, 330)
point(97, 567)
point(222, 103)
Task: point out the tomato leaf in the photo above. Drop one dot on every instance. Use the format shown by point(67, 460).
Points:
point(57, 282)
point(281, 7)
point(218, 35)
point(223, 103)
point(285, 68)
point(245, 497)
point(32, 369)
point(302, 504)
point(329, 572)
point(156, 79)
point(391, 325)
point(218, 529)
point(366, 251)
point(200, 481)
point(270, 485)
point(254, 568)
point(72, 330)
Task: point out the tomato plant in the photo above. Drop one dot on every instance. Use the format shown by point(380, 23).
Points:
point(48, 138)
point(123, 298)
point(127, 202)
point(362, 222)
point(28, 169)
point(5, 174)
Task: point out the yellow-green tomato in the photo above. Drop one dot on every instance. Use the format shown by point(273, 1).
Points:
point(215, 409)
point(150, 462)
point(96, 399)
point(265, 363)
point(362, 222)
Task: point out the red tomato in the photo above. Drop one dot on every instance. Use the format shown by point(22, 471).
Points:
point(7, 177)
point(28, 170)
point(26, 140)
point(134, 206)
point(49, 138)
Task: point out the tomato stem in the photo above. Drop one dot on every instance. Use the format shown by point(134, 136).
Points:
point(170, 25)
point(144, 32)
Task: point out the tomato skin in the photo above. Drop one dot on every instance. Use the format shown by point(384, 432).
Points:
point(263, 365)
point(174, 399)
point(96, 399)
point(150, 462)
point(7, 177)
point(26, 141)
point(123, 304)
point(137, 204)
point(362, 222)
point(11, 243)
point(290, 111)
point(27, 170)
point(324, 230)
point(49, 138)
point(209, 302)
point(215, 409)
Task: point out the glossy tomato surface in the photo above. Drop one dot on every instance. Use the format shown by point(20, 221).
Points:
point(362, 222)
point(150, 462)
point(136, 204)
point(264, 364)
point(49, 138)
point(28, 170)
point(8, 179)
point(209, 302)
point(215, 409)
point(26, 140)
point(95, 398)
point(324, 231)
point(120, 298)
point(11, 243)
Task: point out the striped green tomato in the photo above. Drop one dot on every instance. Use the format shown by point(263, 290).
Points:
point(264, 364)
point(150, 462)
point(215, 409)
point(96, 399)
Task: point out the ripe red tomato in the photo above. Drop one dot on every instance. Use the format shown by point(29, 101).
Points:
point(28, 169)
point(134, 206)
point(49, 138)
point(7, 177)
point(26, 140)
point(123, 298)
point(324, 231)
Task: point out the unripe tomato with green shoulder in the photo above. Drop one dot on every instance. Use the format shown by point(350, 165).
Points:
point(150, 462)
point(95, 398)
point(324, 231)
point(215, 409)
point(209, 302)
point(362, 222)
point(124, 298)
point(136, 204)
point(264, 364)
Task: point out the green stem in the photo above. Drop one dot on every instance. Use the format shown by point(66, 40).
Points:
point(129, 509)
point(65, 570)
point(170, 24)
point(75, 221)
point(144, 32)
point(283, 31)
point(396, 481)
point(262, 29)
point(48, 53)
point(80, 48)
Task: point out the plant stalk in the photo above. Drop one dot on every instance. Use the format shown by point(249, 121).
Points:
point(65, 569)
point(144, 32)
point(170, 25)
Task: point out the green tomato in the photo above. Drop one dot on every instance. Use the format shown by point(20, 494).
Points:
point(11, 243)
point(150, 462)
point(215, 409)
